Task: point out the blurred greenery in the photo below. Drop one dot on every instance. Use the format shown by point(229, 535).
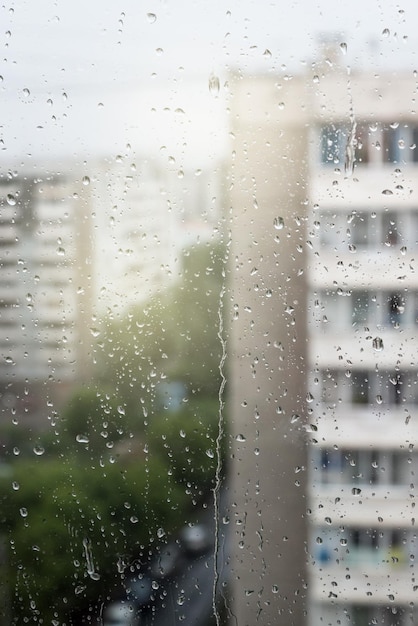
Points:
point(174, 337)
point(119, 467)
point(71, 524)
point(187, 441)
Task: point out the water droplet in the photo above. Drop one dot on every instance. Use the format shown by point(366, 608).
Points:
point(160, 533)
point(240, 437)
point(210, 454)
point(11, 199)
point(214, 84)
point(151, 17)
point(39, 450)
point(23, 512)
point(309, 397)
point(343, 48)
point(134, 519)
point(26, 92)
point(85, 180)
point(386, 32)
point(275, 589)
point(82, 439)
point(278, 223)
point(61, 251)
point(95, 332)
point(15, 485)
point(121, 410)
point(387, 192)
point(377, 344)
point(356, 491)
point(379, 399)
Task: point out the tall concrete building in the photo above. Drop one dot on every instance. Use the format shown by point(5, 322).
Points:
point(327, 165)
point(363, 349)
point(45, 306)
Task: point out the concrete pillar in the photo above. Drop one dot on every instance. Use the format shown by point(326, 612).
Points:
point(267, 350)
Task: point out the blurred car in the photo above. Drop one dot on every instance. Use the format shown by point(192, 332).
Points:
point(167, 560)
point(196, 539)
point(139, 589)
point(121, 613)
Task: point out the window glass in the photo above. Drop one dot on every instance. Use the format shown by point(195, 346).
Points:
point(208, 313)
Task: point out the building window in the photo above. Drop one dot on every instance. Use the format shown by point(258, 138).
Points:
point(333, 144)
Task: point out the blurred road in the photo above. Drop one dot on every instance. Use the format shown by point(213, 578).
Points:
point(188, 598)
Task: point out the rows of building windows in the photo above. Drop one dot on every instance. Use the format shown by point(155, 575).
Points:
point(362, 546)
point(343, 466)
point(336, 310)
point(374, 143)
point(367, 615)
point(364, 387)
point(361, 229)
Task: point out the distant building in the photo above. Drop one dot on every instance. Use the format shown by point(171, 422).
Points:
point(44, 290)
point(79, 247)
point(323, 186)
point(143, 217)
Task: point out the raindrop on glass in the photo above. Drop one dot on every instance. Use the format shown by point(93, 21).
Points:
point(82, 439)
point(214, 84)
point(377, 344)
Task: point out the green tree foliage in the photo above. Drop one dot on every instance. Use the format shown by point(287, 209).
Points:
point(187, 440)
point(174, 336)
point(92, 421)
point(115, 470)
point(72, 528)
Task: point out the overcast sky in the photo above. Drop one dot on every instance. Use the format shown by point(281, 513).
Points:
point(82, 78)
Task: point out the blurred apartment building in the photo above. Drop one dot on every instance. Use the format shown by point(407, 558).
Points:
point(44, 292)
point(359, 392)
point(77, 248)
point(144, 216)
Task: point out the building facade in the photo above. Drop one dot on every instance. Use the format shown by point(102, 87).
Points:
point(362, 317)
point(45, 305)
point(355, 176)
